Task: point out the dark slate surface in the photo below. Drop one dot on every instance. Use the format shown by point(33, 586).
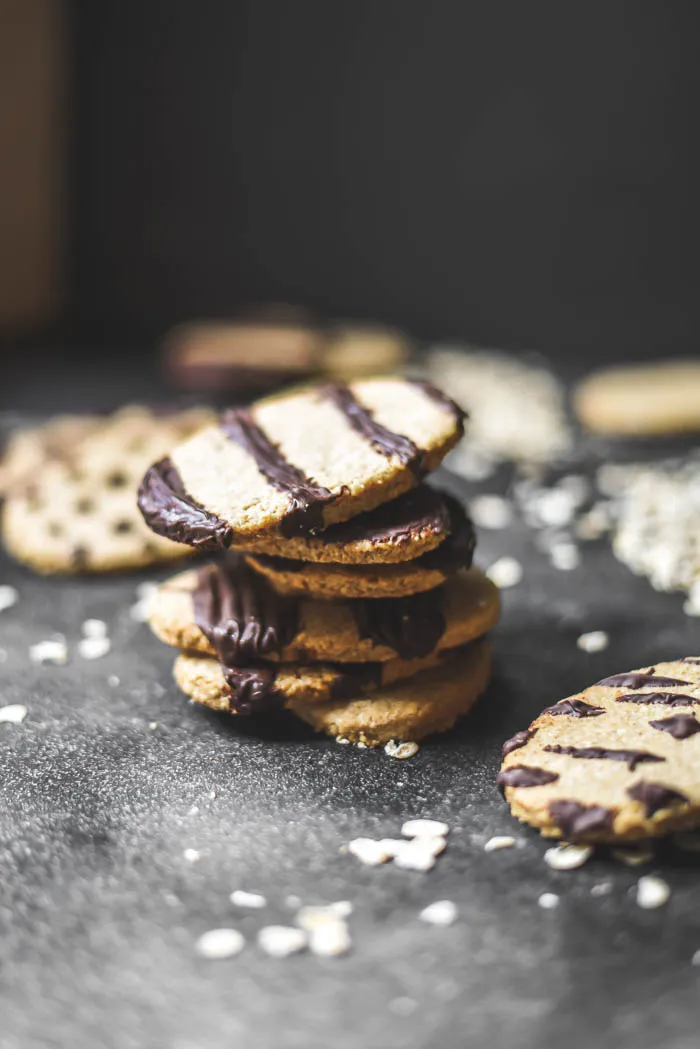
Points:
point(99, 910)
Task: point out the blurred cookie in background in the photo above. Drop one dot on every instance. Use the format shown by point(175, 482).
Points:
point(354, 350)
point(641, 400)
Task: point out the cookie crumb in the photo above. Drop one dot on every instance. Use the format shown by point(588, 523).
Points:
point(93, 647)
point(14, 714)
point(652, 892)
point(602, 888)
point(51, 651)
point(94, 628)
point(395, 749)
point(218, 944)
point(595, 641)
point(634, 857)
point(241, 898)
point(548, 901)
point(442, 912)
point(8, 597)
point(192, 855)
point(567, 857)
point(499, 841)
point(505, 572)
point(491, 511)
point(424, 828)
point(279, 941)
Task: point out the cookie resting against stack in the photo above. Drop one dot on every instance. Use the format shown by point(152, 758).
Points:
point(344, 588)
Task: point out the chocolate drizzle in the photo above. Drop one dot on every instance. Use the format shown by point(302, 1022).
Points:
point(420, 510)
point(663, 699)
point(680, 726)
point(252, 688)
point(575, 708)
point(411, 626)
point(307, 499)
point(640, 680)
point(690, 659)
point(384, 441)
point(517, 741)
point(632, 757)
point(655, 796)
point(576, 820)
point(524, 776)
point(170, 511)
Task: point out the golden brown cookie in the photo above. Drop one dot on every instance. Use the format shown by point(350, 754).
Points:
point(661, 397)
point(295, 464)
point(77, 511)
point(354, 350)
point(409, 710)
point(240, 690)
point(230, 611)
point(616, 762)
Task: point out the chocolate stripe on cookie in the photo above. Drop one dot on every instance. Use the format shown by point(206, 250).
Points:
point(690, 659)
point(457, 551)
point(524, 776)
point(384, 441)
point(252, 689)
point(442, 399)
point(307, 500)
point(420, 510)
point(575, 708)
point(411, 626)
point(632, 757)
point(655, 796)
point(576, 820)
point(170, 511)
point(680, 726)
point(639, 680)
point(517, 741)
point(663, 699)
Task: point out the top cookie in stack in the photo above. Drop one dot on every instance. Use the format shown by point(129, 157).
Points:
point(319, 489)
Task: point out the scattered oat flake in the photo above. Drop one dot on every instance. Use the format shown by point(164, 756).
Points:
point(396, 749)
point(373, 852)
point(499, 841)
point(329, 939)
point(310, 917)
point(14, 714)
point(192, 855)
point(602, 888)
point(634, 857)
point(93, 647)
point(567, 857)
point(595, 641)
point(491, 511)
point(442, 912)
point(565, 557)
point(423, 828)
point(153, 725)
point(652, 892)
point(548, 901)
point(417, 855)
point(279, 941)
point(113, 681)
point(218, 944)
point(505, 572)
point(51, 651)
point(94, 628)
point(8, 597)
point(241, 898)
point(341, 739)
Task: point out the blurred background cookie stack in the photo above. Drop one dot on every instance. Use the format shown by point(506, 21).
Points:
point(344, 588)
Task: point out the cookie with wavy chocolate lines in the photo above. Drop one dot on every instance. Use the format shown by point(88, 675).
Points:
point(409, 710)
point(228, 610)
point(376, 580)
point(292, 465)
point(617, 762)
point(264, 686)
point(71, 501)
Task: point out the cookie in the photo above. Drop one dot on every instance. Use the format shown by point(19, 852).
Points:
point(294, 464)
point(77, 511)
point(409, 710)
point(616, 762)
point(228, 610)
point(243, 690)
point(354, 350)
point(27, 450)
point(662, 397)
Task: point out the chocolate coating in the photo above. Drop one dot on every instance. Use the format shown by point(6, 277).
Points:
point(575, 708)
point(576, 820)
point(524, 776)
point(655, 796)
point(252, 689)
point(680, 726)
point(384, 441)
point(640, 680)
point(419, 510)
point(663, 699)
point(411, 626)
point(169, 511)
point(517, 741)
point(632, 757)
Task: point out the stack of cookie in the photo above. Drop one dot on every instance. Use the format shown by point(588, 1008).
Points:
point(346, 591)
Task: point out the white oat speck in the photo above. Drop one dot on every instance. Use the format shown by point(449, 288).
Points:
point(14, 714)
point(419, 854)
point(279, 941)
point(373, 852)
point(329, 939)
point(218, 944)
point(8, 597)
point(241, 898)
point(424, 829)
point(565, 557)
point(341, 739)
point(567, 857)
point(51, 651)
point(396, 749)
point(113, 681)
point(93, 647)
point(499, 841)
point(548, 901)
point(94, 628)
point(311, 917)
point(192, 855)
point(442, 912)
point(595, 641)
point(491, 511)
point(505, 572)
point(602, 888)
point(652, 892)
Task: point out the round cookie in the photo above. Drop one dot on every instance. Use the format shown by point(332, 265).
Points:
point(77, 511)
point(27, 450)
point(354, 350)
point(662, 397)
point(375, 581)
point(240, 690)
point(409, 710)
point(294, 464)
point(616, 762)
point(230, 611)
